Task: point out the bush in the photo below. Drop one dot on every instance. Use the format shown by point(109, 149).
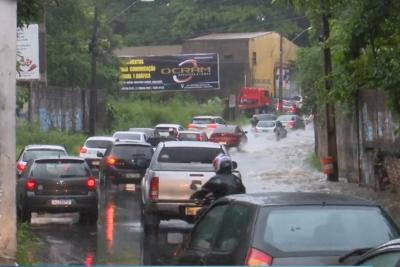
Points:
point(31, 134)
point(139, 112)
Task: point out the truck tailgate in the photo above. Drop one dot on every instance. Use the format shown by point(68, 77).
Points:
point(180, 185)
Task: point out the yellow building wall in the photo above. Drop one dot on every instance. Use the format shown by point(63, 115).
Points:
point(267, 49)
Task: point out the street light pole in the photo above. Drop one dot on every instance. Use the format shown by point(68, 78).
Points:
point(93, 88)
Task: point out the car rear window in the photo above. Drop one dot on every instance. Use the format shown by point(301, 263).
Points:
point(203, 120)
point(127, 136)
point(225, 129)
point(132, 151)
point(323, 229)
point(202, 155)
point(39, 153)
point(98, 144)
point(188, 136)
point(266, 124)
point(48, 170)
point(285, 118)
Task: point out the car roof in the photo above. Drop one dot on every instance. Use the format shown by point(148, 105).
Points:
point(102, 138)
point(50, 147)
point(190, 144)
point(192, 132)
point(127, 132)
point(168, 125)
point(300, 198)
point(131, 142)
point(141, 129)
point(206, 117)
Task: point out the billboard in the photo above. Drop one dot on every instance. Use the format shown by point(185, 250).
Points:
point(170, 73)
point(28, 52)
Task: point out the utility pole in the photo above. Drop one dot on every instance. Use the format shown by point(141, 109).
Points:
point(8, 44)
point(280, 69)
point(330, 107)
point(93, 86)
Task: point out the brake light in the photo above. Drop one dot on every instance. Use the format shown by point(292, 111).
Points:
point(256, 257)
point(154, 187)
point(190, 125)
point(111, 161)
point(212, 126)
point(83, 150)
point(291, 124)
point(91, 183)
point(21, 166)
point(31, 184)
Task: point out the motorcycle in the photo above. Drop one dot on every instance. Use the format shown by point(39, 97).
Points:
point(280, 132)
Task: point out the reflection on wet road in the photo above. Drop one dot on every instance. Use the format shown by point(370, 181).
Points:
point(116, 240)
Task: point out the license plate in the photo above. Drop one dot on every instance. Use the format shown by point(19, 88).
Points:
point(132, 175)
point(95, 163)
point(61, 202)
point(192, 211)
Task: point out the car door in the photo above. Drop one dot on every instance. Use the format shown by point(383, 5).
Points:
point(232, 241)
point(202, 237)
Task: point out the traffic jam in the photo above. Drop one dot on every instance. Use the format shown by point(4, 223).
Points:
point(171, 195)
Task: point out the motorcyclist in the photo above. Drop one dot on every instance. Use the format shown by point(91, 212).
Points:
point(172, 133)
point(223, 183)
point(279, 130)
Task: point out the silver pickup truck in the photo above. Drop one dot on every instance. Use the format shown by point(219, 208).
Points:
point(176, 171)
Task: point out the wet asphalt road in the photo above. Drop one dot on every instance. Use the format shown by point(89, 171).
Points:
point(118, 239)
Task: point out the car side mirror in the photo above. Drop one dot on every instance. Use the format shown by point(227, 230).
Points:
point(100, 154)
point(234, 165)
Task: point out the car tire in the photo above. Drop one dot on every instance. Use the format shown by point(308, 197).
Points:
point(150, 223)
point(89, 217)
point(24, 215)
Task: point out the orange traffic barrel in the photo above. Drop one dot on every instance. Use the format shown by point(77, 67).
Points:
point(327, 165)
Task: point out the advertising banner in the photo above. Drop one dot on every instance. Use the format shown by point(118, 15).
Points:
point(28, 52)
point(170, 73)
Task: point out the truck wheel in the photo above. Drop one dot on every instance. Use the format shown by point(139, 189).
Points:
point(150, 223)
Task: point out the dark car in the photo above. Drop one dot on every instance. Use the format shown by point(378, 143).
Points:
point(36, 151)
point(57, 184)
point(125, 162)
point(229, 135)
point(192, 136)
point(285, 229)
point(385, 255)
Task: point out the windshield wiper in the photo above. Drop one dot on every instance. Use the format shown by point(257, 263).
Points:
point(357, 251)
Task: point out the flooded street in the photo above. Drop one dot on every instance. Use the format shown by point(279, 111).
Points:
point(266, 166)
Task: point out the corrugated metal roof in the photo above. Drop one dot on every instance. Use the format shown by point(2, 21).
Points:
point(231, 36)
point(161, 50)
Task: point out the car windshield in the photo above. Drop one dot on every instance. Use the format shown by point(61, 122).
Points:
point(203, 120)
point(266, 124)
point(128, 136)
point(39, 153)
point(48, 170)
point(132, 151)
point(323, 229)
point(98, 144)
point(203, 155)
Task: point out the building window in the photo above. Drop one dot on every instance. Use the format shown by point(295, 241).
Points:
point(228, 56)
point(254, 59)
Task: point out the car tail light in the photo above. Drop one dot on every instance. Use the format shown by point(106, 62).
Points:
point(212, 126)
point(291, 124)
point(21, 166)
point(190, 125)
point(91, 183)
point(111, 161)
point(83, 150)
point(31, 184)
point(256, 257)
point(154, 186)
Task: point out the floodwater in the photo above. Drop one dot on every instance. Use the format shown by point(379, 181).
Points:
point(118, 239)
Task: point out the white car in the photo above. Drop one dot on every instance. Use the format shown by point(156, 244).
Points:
point(92, 146)
point(163, 129)
point(265, 126)
point(130, 136)
point(206, 123)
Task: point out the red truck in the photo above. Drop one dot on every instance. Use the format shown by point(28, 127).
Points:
point(254, 100)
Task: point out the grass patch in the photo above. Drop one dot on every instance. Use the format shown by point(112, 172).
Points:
point(313, 162)
point(27, 246)
point(147, 112)
point(28, 134)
